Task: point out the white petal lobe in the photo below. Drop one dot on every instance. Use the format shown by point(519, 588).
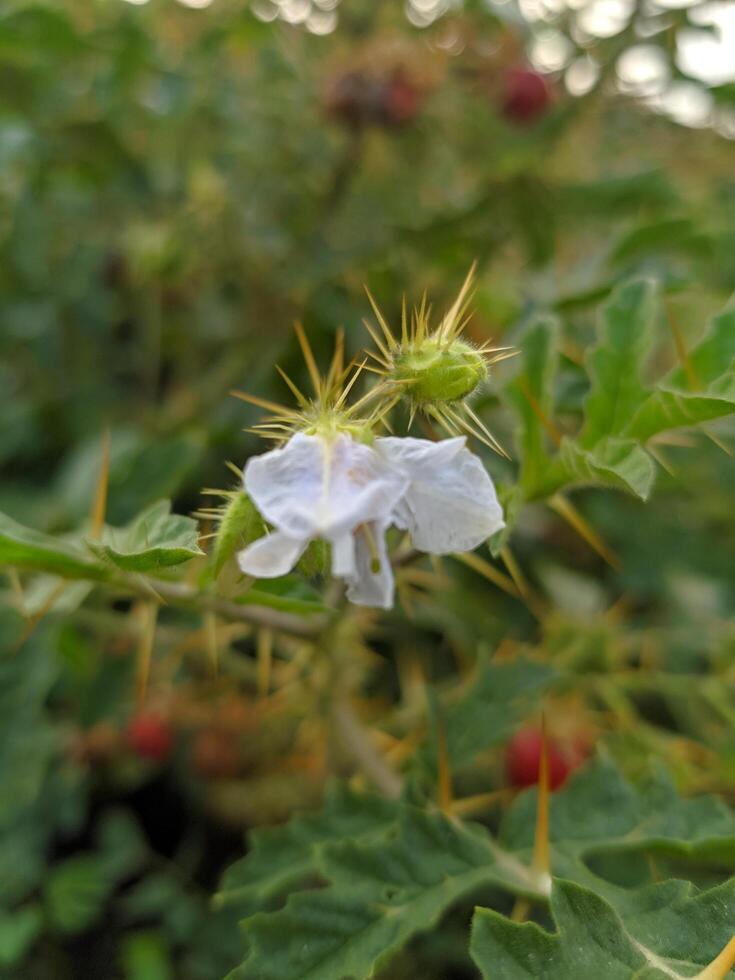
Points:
point(315, 487)
point(450, 504)
point(271, 556)
point(371, 586)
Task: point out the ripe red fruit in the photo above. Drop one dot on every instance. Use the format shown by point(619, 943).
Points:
point(150, 736)
point(526, 96)
point(523, 759)
point(403, 98)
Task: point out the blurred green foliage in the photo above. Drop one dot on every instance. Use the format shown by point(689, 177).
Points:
point(176, 187)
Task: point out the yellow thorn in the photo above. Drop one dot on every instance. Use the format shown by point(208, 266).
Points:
point(389, 338)
point(298, 395)
point(210, 636)
point(264, 650)
point(682, 354)
point(17, 590)
point(309, 359)
point(99, 505)
point(404, 323)
point(448, 328)
point(336, 368)
point(280, 410)
point(721, 965)
point(348, 387)
point(379, 344)
point(541, 856)
point(520, 910)
point(480, 803)
point(713, 437)
point(444, 773)
point(489, 439)
point(519, 579)
point(34, 620)
point(148, 612)
point(234, 469)
point(489, 572)
point(564, 508)
point(548, 424)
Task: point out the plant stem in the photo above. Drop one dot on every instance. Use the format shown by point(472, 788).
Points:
point(355, 739)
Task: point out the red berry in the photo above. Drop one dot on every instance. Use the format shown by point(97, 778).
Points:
point(403, 98)
point(150, 736)
point(523, 759)
point(526, 96)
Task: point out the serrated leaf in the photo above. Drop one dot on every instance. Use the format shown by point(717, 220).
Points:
point(600, 812)
point(381, 895)
point(700, 391)
point(712, 356)
point(613, 462)
point(23, 547)
point(532, 394)
point(155, 539)
point(665, 931)
point(281, 858)
point(384, 891)
point(668, 409)
point(616, 363)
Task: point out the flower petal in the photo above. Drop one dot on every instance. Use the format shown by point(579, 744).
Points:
point(371, 586)
point(450, 504)
point(316, 487)
point(343, 555)
point(271, 556)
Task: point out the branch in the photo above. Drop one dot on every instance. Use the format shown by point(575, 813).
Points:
point(180, 594)
point(355, 738)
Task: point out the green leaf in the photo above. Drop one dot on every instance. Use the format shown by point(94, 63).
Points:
point(281, 858)
point(386, 888)
point(289, 593)
point(613, 462)
point(599, 812)
point(701, 390)
point(18, 930)
point(145, 956)
point(381, 895)
point(155, 539)
point(25, 548)
point(76, 890)
point(616, 363)
point(712, 356)
point(532, 393)
point(668, 930)
point(668, 409)
point(487, 713)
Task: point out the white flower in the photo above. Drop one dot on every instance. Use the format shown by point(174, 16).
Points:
point(349, 494)
point(337, 489)
point(450, 503)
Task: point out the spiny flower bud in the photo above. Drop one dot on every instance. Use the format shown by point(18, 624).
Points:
point(434, 368)
point(433, 372)
point(238, 524)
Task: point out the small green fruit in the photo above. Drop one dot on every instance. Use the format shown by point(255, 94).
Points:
point(440, 373)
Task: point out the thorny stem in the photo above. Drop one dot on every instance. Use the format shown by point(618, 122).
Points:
point(355, 739)
point(181, 594)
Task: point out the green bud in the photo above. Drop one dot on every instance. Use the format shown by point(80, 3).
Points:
point(239, 525)
point(438, 373)
point(316, 560)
